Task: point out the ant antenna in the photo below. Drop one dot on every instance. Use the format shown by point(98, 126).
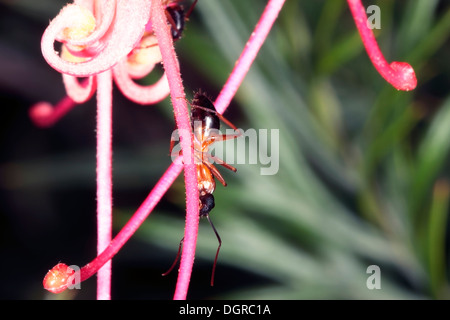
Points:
point(176, 259)
point(215, 259)
point(190, 10)
point(218, 249)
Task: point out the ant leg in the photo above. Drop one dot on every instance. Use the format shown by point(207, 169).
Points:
point(215, 173)
point(232, 126)
point(222, 137)
point(222, 163)
point(186, 17)
point(221, 117)
point(176, 259)
point(218, 249)
point(170, 19)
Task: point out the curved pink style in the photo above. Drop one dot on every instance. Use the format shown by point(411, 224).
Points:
point(44, 115)
point(399, 74)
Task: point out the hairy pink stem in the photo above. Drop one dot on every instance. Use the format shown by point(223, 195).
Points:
point(399, 74)
point(248, 55)
point(171, 66)
point(104, 179)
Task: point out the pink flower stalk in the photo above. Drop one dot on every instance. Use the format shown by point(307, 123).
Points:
point(147, 25)
point(104, 178)
point(171, 66)
point(399, 74)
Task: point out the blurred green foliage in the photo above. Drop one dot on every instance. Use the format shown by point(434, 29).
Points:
point(363, 170)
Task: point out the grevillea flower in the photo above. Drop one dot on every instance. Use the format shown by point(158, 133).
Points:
point(122, 40)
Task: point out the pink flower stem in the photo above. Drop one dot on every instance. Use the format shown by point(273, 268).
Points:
point(136, 220)
point(399, 74)
point(171, 66)
point(248, 55)
point(104, 179)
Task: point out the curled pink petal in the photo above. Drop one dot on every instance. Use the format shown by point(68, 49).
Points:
point(139, 71)
point(103, 13)
point(88, 4)
point(79, 23)
point(79, 92)
point(399, 74)
point(144, 57)
point(150, 94)
point(125, 30)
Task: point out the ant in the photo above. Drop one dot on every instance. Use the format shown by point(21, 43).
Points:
point(205, 122)
point(177, 17)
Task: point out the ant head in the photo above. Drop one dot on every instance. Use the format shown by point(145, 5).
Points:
point(206, 204)
point(177, 17)
point(201, 99)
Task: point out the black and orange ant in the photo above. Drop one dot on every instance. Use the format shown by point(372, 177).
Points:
point(205, 122)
